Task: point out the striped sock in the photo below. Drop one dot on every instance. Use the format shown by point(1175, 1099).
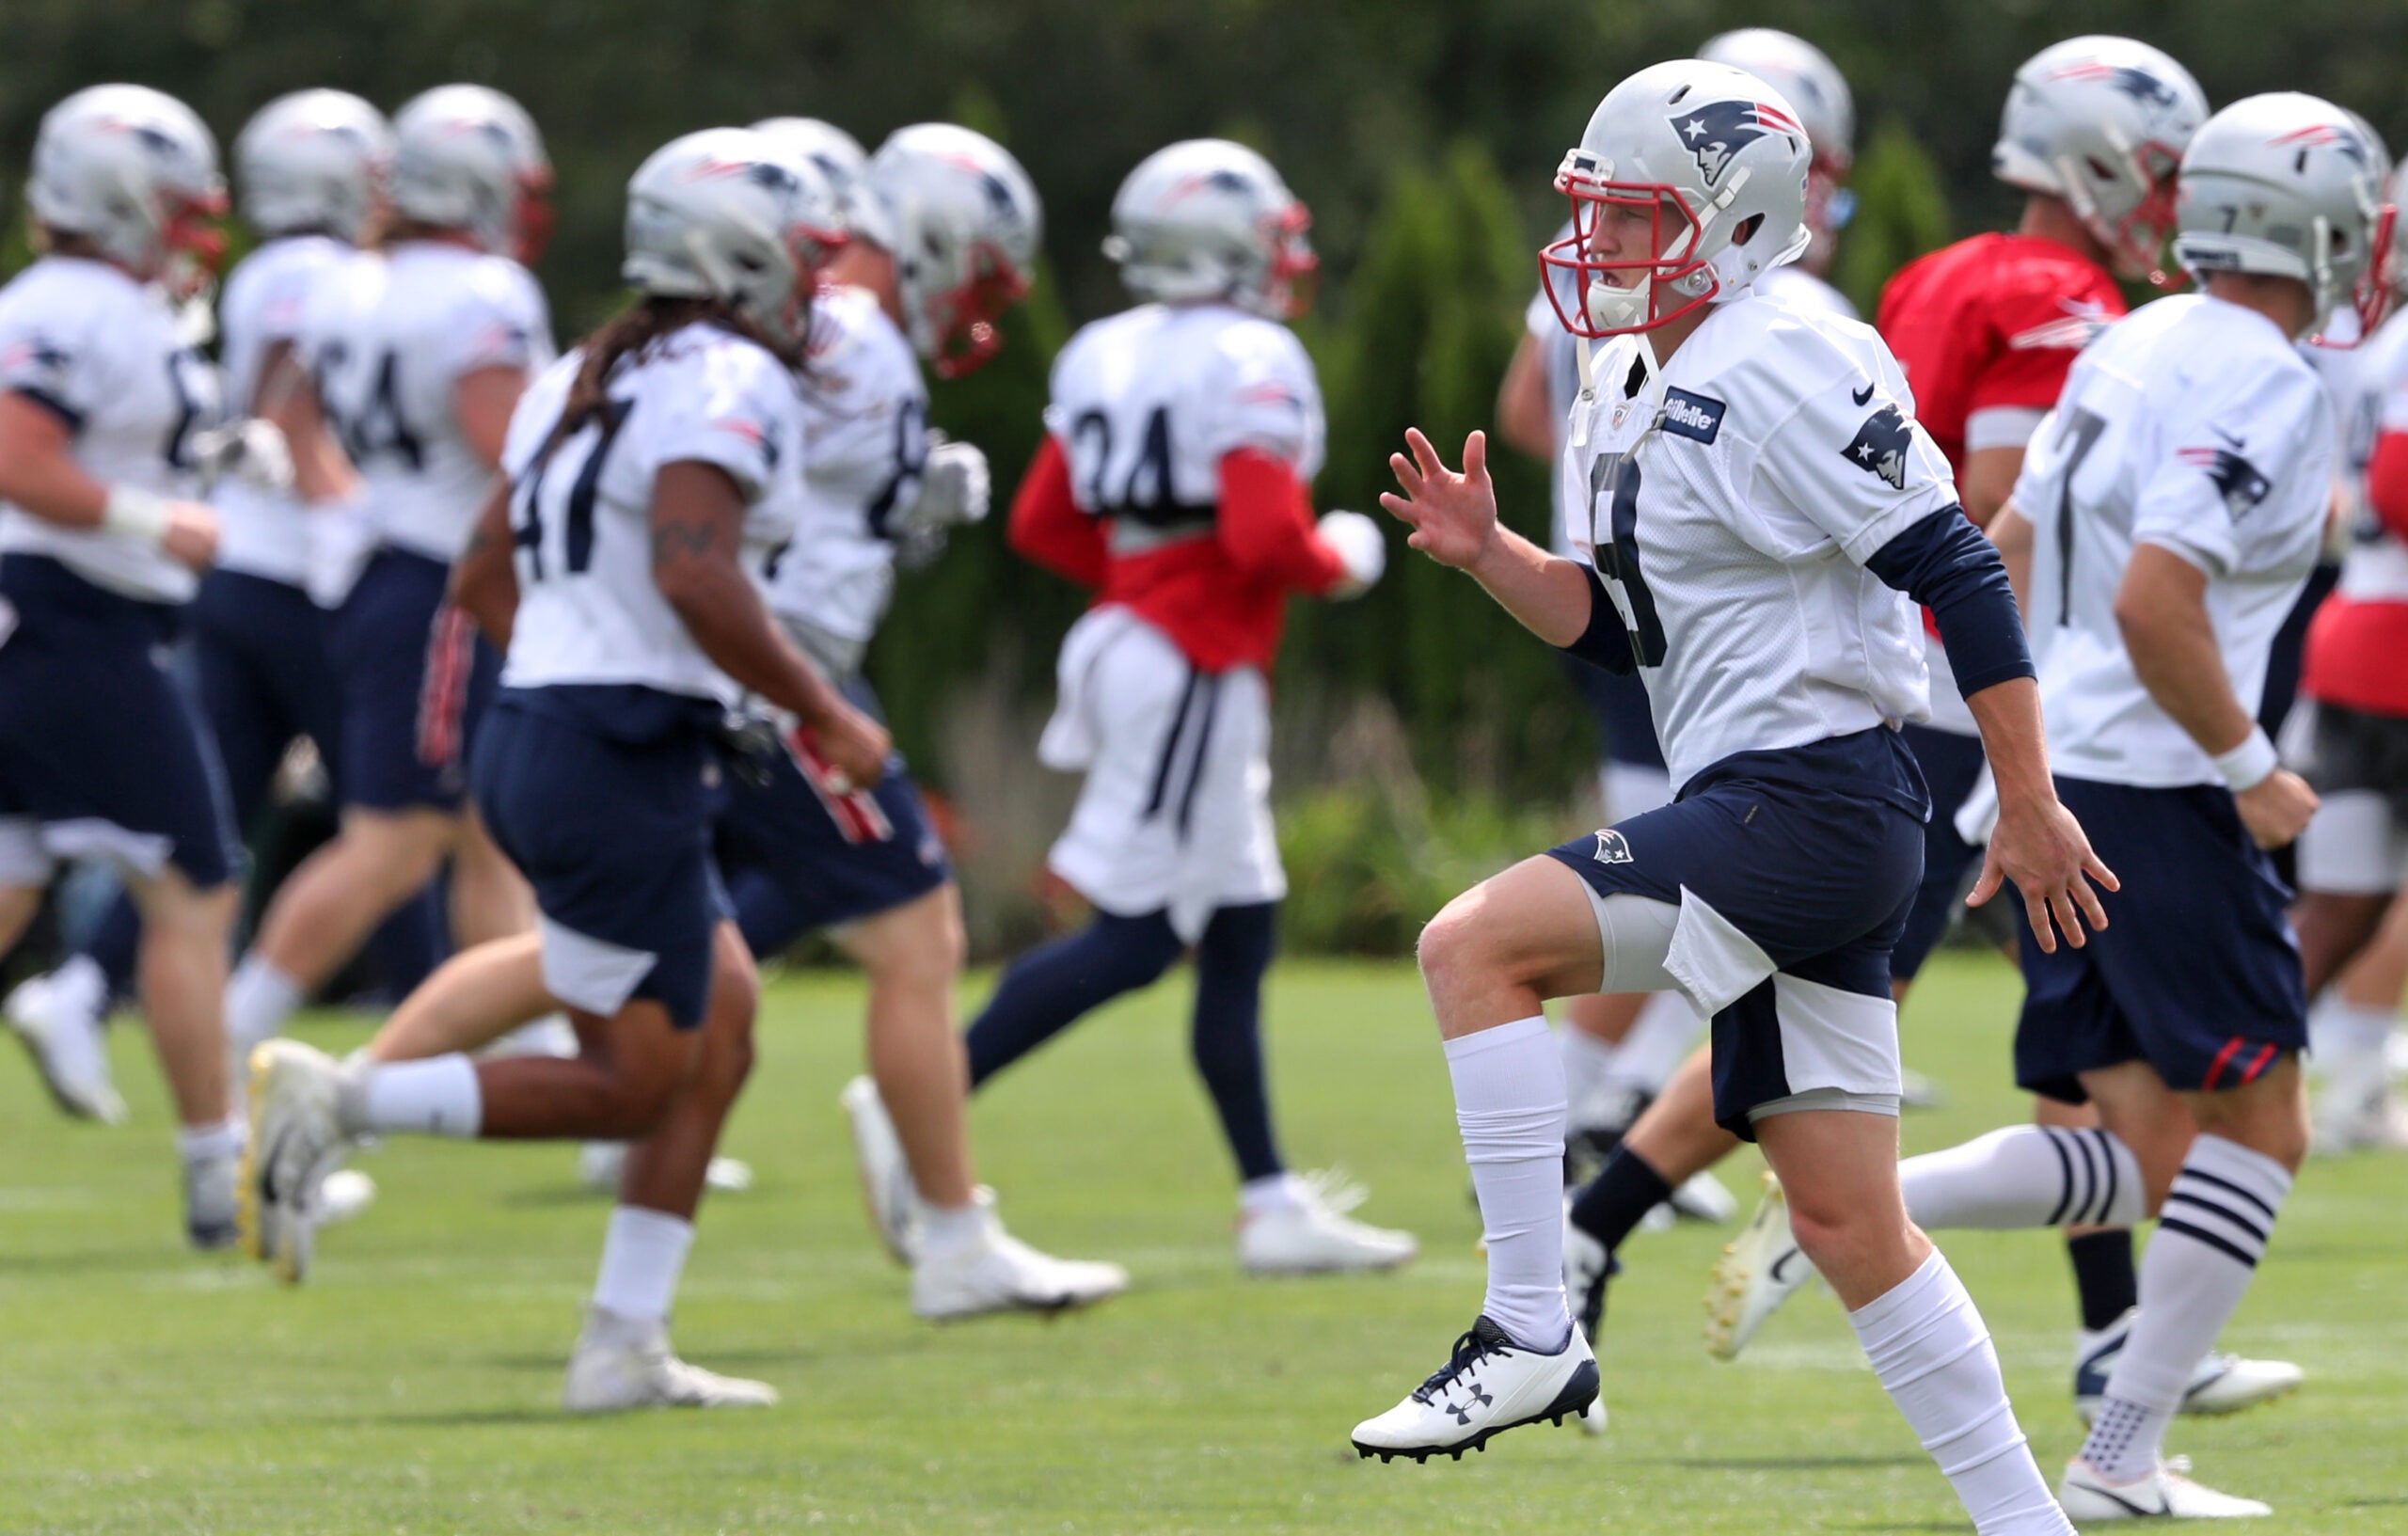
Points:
point(2026, 1176)
point(2210, 1237)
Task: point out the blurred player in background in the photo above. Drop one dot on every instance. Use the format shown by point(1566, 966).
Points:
point(102, 403)
point(2178, 499)
point(1618, 1053)
point(651, 474)
point(408, 368)
point(1180, 445)
point(1760, 508)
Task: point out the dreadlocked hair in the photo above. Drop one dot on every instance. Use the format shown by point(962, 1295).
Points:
point(634, 333)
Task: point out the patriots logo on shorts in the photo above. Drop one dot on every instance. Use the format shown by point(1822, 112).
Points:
point(1880, 447)
point(2237, 480)
point(1716, 132)
point(1612, 848)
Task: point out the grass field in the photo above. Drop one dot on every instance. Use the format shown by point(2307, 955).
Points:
point(410, 1387)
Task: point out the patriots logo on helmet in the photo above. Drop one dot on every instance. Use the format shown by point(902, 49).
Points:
point(2331, 135)
point(2238, 481)
point(1880, 447)
point(2131, 80)
point(1717, 131)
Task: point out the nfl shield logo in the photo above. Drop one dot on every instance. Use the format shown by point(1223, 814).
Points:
point(1612, 848)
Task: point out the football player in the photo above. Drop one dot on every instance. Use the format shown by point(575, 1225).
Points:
point(1180, 443)
point(1759, 505)
point(2353, 929)
point(2176, 501)
point(102, 404)
point(408, 368)
point(651, 474)
point(1618, 1053)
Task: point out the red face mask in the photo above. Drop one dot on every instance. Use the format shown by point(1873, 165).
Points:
point(1295, 269)
point(2137, 241)
point(2371, 298)
point(1673, 234)
point(532, 223)
point(963, 318)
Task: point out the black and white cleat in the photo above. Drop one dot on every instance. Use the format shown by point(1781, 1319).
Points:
point(1489, 1384)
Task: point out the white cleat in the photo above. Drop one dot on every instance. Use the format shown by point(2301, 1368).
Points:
point(1704, 1197)
point(2166, 1493)
point(609, 1378)
point(1489, 1384)
point(599, 1164)
point(887, 1191)
point(1755, 1275)
point(58, 1018)
point(2220, 1383)
point(550, 1035)
point(2358, 1113)
point(1313, 1235)
point(999, 1273)
point(296, 1141)
point(343, 1194)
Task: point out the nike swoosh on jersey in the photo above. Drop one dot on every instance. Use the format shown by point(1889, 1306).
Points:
point(1864, 396)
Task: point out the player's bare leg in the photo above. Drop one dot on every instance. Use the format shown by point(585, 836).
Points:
point(912, 955)
point(182, 975)
point(2352, 1026)
point(490, 899)
point(472, 1000)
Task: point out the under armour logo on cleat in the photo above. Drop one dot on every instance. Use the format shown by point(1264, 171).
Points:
point(1612, 848)
point(1479, 1399)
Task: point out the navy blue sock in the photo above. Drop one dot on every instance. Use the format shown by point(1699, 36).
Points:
point(114, 942)
point(1624, 1190)
point(1226, 1040)
point(1050, 986)
point(2103, 1272)
point(767, 919)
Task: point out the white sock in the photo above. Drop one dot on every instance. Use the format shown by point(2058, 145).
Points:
point(1658, 1042)
point(1929, 1347)
point(80, 979)
point(2026, 1176)
point(1508, 1103)
point(1277, 1192)
point(258, 998)
point(2348, 1035)
point(2210, 1236)
point(438, 1097)
point(198, 1144)
point(947, 1230)
point(1588, 1069)
point(643, 1252)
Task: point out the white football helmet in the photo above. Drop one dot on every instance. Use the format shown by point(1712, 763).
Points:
point(468, 158)
point(962, 221)
point(732, 213)
point(2291, 186)
point(1208, 219)
point(132, 171)
point(838, 154)
point(2102, 122)
point(1706, 151)
point(314, 160)
point(1809, 81)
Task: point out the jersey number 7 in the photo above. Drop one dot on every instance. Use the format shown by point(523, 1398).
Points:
point(598, 431)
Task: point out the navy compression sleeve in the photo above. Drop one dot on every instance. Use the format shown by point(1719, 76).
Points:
point(1944, 563)
point(1605, 642)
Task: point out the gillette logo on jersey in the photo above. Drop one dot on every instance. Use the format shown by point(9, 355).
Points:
point(1698, 417)
point(1880, 447)
point(1717, 131)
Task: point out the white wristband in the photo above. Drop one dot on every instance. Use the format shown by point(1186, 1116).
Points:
point(133, 512)
point(2246, 765)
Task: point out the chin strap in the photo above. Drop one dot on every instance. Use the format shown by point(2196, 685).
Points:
point(1587, 405)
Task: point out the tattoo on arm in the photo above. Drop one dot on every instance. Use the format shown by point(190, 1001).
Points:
point(710, 537)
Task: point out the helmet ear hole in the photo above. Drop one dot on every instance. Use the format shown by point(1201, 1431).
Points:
point(1746, 228)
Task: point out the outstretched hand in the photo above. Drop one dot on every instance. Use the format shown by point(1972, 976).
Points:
point(2039, 846)
point(1453, 516)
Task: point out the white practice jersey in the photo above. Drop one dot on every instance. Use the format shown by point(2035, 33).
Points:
point(2375, 570)
point(1149, 403)
point(865, 443)
point(104, 354)
point(2193, 425)
point(588, 609)
point(263, 532)
point(1561, 366)
point(1731, 500)
point(389, 342)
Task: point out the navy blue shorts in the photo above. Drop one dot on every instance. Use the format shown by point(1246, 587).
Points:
point(2197, 972)
point(604, 799)
point(416, 679)
point(1812, 853)
point(260, 659)
point(833, 858)
point(101, 752)
point(1618, 702)
point(1950, 764)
